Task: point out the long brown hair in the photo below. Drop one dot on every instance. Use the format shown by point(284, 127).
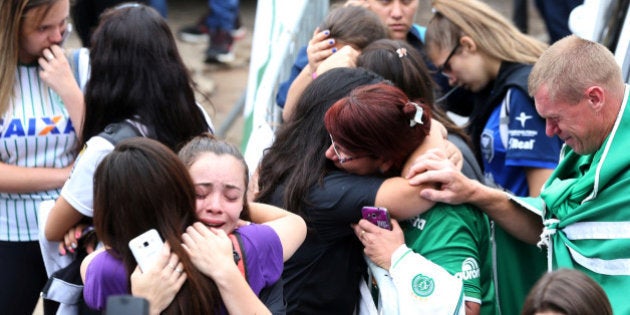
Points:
point(162, 198)
point(137, 73)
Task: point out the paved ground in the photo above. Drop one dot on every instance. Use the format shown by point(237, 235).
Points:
point(224, 85)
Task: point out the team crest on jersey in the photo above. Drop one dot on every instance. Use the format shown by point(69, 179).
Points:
point(470, 269)
point(422, 286)
point(487, 145)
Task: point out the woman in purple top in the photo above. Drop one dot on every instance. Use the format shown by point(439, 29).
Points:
point(197, 272)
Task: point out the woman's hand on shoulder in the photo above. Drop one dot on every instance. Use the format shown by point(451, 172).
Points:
point(443, 179)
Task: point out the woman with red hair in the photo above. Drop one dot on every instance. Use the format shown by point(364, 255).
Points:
point(376, 128)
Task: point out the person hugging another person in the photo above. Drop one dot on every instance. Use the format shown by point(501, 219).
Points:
point(127, 91)
point(380, 121)
point(298, 174)
point(138, 86)
point(399, 63)
point(194, 210)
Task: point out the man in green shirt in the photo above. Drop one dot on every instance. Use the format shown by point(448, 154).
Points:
point(581, 214)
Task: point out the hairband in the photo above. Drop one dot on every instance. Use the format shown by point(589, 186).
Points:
point(402, 52)
point(417, 117)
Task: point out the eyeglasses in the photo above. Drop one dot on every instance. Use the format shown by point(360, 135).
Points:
point(446, 66)
point(342, 159)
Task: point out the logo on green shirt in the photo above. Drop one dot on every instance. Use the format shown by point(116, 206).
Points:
point(422, 285)
point(470, 269)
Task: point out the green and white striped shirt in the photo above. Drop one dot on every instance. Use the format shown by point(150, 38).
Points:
point(34, 132)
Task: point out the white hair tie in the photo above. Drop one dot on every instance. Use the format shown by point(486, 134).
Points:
point(417, 118)
point(402, 52)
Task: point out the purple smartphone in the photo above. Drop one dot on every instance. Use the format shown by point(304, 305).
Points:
point(377, 215)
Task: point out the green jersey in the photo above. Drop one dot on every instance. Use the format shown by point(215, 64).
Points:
point(456, 237)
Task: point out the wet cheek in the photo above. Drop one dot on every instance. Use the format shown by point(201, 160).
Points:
point(200, 207)
point(234, 215)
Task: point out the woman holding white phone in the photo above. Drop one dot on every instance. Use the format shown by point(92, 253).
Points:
point(196, 272)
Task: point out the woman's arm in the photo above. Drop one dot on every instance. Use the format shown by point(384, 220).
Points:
point(290, 227)
point(295, 91)
point(62, 217)
point(210, 250)
point(16, 179)
point(455, 188)
point(319, 48)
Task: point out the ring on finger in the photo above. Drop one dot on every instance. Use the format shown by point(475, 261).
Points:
point(179, 270)
point(49, 56)
point(362, 233)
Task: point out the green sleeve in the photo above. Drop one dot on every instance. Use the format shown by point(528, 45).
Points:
point(456, 238)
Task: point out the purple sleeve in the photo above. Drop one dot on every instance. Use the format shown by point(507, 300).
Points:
point(105, 276)
point(263, 252)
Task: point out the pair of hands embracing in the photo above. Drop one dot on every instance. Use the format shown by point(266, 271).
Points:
point(441, 167)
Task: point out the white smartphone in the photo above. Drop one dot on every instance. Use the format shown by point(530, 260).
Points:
point(145, 248)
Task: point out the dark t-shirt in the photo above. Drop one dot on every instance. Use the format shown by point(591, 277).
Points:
point(322, 277)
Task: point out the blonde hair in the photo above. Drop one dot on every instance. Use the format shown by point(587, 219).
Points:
point(10, 11)
point(571, 65)
point(11, 17)
point(492, 32)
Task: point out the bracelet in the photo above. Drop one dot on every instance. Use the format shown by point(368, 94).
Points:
point(314, 75)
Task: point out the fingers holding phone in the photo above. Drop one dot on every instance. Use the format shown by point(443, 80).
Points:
point(160, 283)
point(379, 243)
point(379, 216)
point(146, 248)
